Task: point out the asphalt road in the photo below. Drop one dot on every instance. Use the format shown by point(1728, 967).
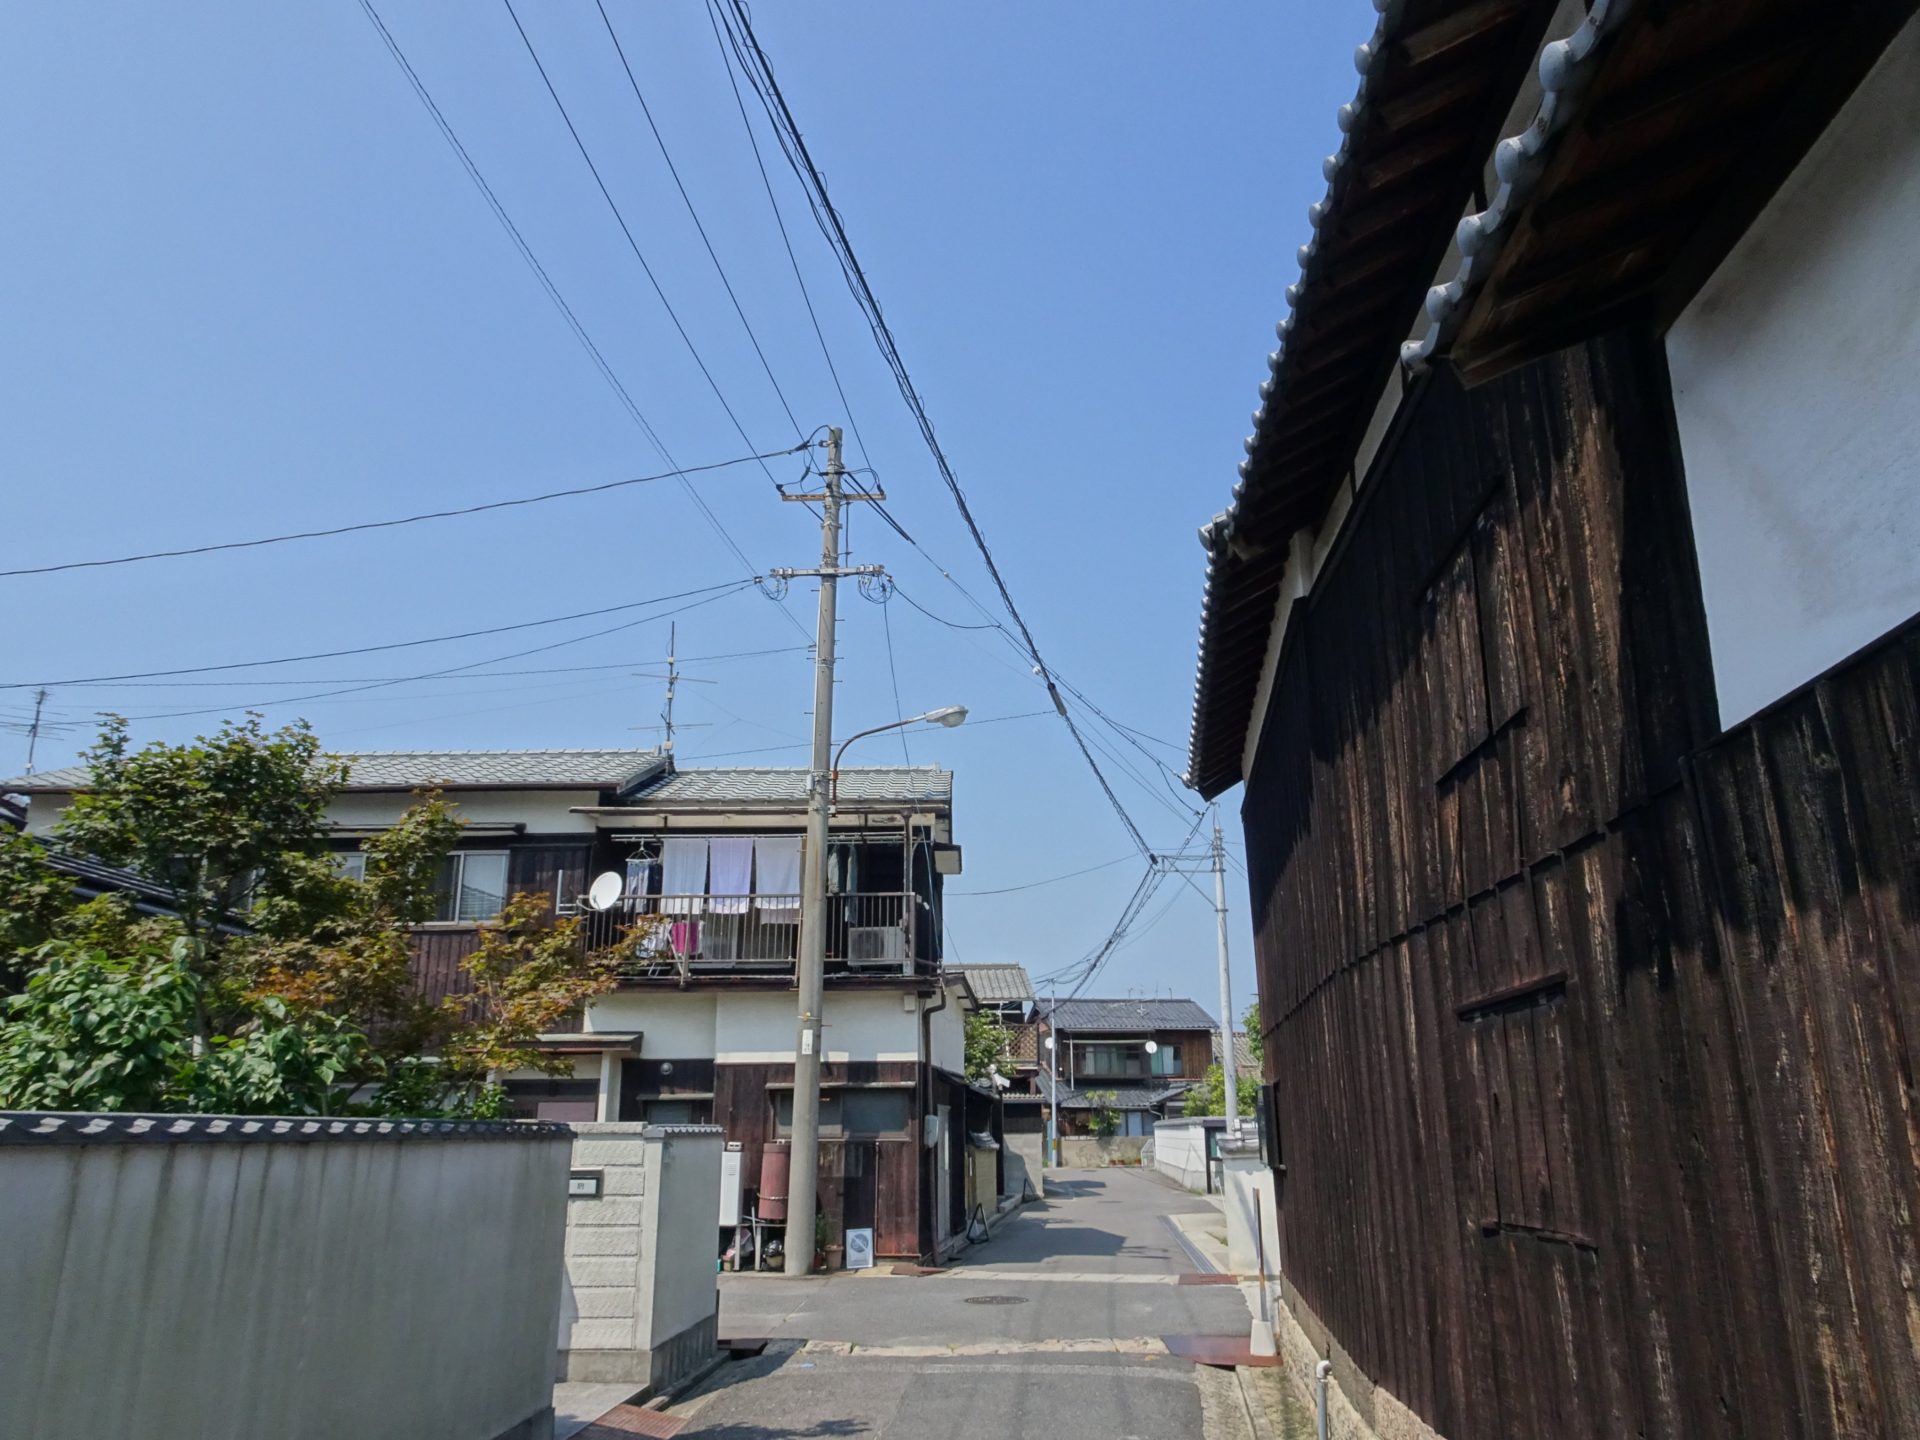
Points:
point(1051, 1329)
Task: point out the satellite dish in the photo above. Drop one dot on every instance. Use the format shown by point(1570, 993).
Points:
point(1153, 1047)
point(605, 892)
point(1049, 1042)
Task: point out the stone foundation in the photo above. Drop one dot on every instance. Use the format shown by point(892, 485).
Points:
point(1357, 1409)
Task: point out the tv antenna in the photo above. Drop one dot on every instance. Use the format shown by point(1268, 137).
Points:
point(673, 677)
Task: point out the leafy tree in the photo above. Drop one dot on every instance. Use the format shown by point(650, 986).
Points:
point(93, 1031)
point(988, 1042)
point(216, 823)
point(33, 897)
point(1105, 1119)
point(1256, 1041)
point(1209, 1094)
point(529, 973)
point(280, 1064)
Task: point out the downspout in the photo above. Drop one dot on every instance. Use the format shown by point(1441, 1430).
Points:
point(1320, 1374)
point(928, 1209)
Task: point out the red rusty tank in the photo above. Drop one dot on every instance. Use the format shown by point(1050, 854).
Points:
point(775, 1162)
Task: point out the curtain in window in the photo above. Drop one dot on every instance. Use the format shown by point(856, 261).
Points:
point(683, 879)
point(483, 887)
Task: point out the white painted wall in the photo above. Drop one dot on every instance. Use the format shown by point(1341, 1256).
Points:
point(222, 1289)
point(43, 811)
point(542, 812)
point(948, 1029)
point(671, 1026)
point(1180, 1152)
point(1793, 374)
point(860, 1025)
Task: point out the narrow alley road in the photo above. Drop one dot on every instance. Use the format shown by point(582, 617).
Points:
point(1051, 1329)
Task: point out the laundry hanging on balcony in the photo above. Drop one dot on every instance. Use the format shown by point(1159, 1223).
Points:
point(683, 875)
point(776, 860)
point(730, 882)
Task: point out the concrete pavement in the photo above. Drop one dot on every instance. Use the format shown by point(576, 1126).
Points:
point(1050, 1329)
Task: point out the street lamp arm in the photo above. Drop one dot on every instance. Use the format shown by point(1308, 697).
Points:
point(949, 716)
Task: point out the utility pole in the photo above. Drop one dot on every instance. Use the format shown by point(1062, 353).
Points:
point(804, 1175)
point(1229, 1079)
point(33, 730)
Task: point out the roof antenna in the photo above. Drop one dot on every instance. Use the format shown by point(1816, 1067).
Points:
point(673, 677)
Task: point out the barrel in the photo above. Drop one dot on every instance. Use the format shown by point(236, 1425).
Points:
point(776, 1160)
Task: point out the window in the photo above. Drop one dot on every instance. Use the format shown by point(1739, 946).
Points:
point(472, 885)
point(1119, 1060)
point(677, 1112)
point(849, 1112)
point(1166, 1060)
point(352, 864)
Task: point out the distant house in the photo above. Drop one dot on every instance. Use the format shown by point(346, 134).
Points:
point(1564, 631)
point(1134, 1057)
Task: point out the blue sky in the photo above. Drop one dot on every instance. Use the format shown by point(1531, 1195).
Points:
point(250, 290)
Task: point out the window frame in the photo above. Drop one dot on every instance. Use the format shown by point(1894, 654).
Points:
point(448, 901)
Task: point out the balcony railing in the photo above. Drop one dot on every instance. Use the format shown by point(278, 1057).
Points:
point(688, 935)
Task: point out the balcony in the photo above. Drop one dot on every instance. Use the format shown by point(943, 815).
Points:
point(743, 936)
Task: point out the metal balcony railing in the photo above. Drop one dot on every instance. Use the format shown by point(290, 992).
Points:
point(686, 935)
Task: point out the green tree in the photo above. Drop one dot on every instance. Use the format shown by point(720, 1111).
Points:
point(1256, 1041)
point(33, 897)
point(1105, 1119)
point(988, 1042)
point(1209, 1094)
point(94, 1031)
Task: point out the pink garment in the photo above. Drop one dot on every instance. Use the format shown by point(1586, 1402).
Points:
point(685, 935)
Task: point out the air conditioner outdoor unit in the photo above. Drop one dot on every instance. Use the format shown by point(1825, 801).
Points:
point(875, 944)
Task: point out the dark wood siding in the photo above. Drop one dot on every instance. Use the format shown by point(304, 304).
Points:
point(437, 953)
point(862, 1181)
point(1593, 1031)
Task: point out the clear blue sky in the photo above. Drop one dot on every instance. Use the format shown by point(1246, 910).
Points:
point(249, 290)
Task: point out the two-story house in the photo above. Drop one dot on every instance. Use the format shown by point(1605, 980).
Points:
point(1133, 1057)
point(704, 920)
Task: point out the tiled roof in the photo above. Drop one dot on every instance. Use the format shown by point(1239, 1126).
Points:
point(452, 769)
point(1243, 1061)
point(1125, 1097)
point(995, 984)
point(787, 785)
point(1129, 1015)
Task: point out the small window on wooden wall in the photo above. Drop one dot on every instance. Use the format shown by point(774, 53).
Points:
point(1476, 641)
point(1523, 1176)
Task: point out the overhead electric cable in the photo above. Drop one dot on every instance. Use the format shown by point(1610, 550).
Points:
point(374, 649)
point(402, 520)
point(553, 293)
point(679, 184)
point(1055, 880)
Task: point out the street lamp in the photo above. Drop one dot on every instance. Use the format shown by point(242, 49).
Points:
point(947, 715)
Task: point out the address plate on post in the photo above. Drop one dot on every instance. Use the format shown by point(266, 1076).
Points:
point(584, 1184)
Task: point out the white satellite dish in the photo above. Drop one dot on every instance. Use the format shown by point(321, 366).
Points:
point(605, 891)
point(1153, 1047)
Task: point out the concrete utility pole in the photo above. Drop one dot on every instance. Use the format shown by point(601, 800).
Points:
point(804, 1176)
point(33, 730)
point(1228, 1077)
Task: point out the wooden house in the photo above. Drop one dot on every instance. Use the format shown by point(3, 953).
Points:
point(1565, 635)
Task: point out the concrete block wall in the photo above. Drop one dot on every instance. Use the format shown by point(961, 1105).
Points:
point(1180, 1152)
point(642, 1293)
point(191, 1277)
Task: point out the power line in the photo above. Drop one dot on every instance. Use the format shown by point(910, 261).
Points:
point(795, 148)
point(899, 711)
point(356, 679)
point(403, 520)
point(712, 255)
point(374, 649)
point(1055, 880)
point(553, 292)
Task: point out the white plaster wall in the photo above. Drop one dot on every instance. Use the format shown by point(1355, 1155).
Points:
point(1180, 1152)
point(222, 1290)
point(43, 811)
point(1793, 387)
point(671, 1026)
point(542, 812)
point(760, 1027)
point(948, 1029)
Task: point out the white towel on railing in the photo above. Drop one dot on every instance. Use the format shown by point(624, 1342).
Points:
point(732, 878)
point(683, 875)
point(778, 886)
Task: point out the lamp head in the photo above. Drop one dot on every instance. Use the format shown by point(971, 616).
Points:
point(949, 716)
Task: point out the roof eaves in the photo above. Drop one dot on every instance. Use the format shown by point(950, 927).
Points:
point(1567, 67)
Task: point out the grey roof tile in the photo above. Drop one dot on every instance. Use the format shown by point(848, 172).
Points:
point(995, 984)
point(787, 785)
point(452, 769)
point(1129, 1015)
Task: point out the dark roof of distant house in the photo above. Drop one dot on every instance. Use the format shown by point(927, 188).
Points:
point(1128, 1015)
point(996, 984)
point(787, 786)
point(1243, 1061)
point(447, 769)
point(1124, 1097)
point(12, 813)
point(97, 879)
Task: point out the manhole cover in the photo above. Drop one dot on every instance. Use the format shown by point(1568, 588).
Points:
point(996, 1300)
